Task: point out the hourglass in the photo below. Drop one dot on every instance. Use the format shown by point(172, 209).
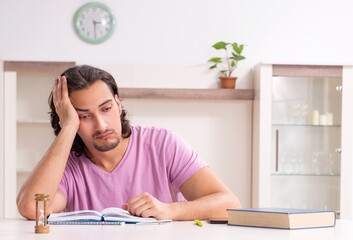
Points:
point(41, 213)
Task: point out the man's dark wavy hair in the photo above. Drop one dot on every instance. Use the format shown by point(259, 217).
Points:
point(81, 77)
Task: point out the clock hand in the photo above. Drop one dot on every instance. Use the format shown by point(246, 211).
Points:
point(95, 27)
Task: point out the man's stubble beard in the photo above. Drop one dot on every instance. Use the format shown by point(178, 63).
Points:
point(107, 147)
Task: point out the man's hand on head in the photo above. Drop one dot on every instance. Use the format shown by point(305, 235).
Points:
point(63, 106)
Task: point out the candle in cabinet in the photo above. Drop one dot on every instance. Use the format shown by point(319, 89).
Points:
point(323, 119)
point(315, 117)
point(329, 118)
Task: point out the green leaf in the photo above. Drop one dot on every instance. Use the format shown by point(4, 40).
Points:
point(238, 48)
point(220, 45)
point(213, 66)
point(232, 64)
point(239, 57)
point(216, 60)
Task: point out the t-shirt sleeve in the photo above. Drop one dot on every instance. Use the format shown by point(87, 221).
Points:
point(62, 187)
point(184, 161)
point(65, 179)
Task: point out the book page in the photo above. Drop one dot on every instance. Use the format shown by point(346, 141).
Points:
point(75, 215)
point(118, 214)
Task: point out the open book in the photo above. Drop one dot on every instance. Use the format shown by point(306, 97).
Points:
point(106, 216)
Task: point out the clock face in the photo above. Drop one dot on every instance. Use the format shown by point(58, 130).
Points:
point(94, 22)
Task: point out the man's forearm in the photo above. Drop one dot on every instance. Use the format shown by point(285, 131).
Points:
point(47, 174)
point(213, 205)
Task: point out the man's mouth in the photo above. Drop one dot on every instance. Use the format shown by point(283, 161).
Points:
point(104, 136)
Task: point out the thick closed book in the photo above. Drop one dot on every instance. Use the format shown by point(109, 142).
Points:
point(282, 218)
point(107, 216)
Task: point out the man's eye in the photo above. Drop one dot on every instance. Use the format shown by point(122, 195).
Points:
point(83, 117)
point(106, 109)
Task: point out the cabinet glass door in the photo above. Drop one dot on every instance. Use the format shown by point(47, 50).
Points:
point(306, 142)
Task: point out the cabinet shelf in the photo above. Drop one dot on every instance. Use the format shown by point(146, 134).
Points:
point(36, 66)
point(304, 174)
point(305, 125)
point(24, 170)
point(144, 93)
point(33, 121)
point(187, 94)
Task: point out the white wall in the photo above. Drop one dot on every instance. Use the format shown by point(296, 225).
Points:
point(180, 33)
point(165, 33)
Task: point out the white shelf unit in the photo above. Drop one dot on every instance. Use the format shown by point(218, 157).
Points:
point(273, 188)
point(24, 122)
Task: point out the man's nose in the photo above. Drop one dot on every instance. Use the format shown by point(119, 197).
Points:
point(100, 123)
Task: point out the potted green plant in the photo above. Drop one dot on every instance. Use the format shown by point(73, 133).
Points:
point(227, 65)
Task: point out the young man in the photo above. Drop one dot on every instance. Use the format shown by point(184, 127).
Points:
point(98, 160)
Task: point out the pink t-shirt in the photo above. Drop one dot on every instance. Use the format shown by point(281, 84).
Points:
point(157, 161)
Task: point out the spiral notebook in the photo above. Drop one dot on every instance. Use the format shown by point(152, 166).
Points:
point(85, 223)
point(108, 216)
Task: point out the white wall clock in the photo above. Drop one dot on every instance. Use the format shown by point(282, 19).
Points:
point(94, 22)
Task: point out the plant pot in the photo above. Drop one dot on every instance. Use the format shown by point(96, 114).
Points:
point(228, 82)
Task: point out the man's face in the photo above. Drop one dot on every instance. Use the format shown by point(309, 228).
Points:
point(99, 113)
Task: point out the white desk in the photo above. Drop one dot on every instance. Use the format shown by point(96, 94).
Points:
point(12, 229)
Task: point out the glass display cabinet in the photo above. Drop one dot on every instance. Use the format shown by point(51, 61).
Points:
point(303, 137)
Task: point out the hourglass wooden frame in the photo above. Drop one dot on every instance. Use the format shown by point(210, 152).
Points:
point(41, 216)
